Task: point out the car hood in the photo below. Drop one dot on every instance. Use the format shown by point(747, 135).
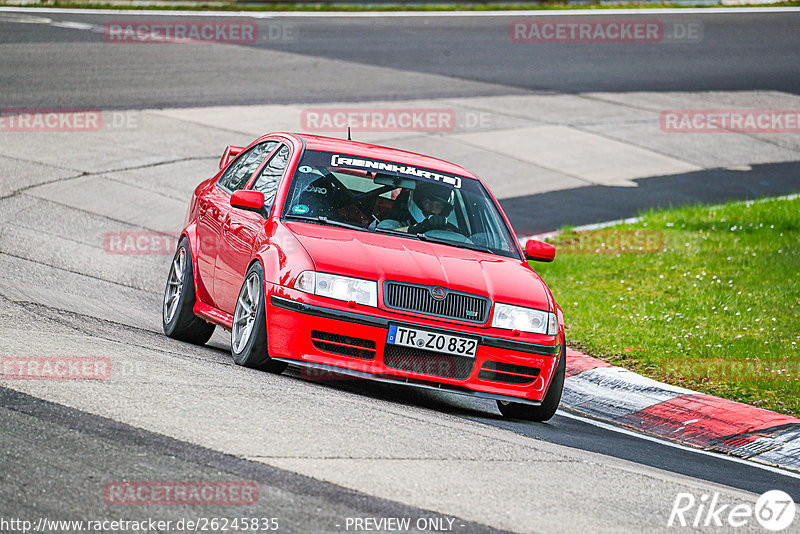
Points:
point(382, 257)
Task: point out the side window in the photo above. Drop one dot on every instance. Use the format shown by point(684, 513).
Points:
point(267, 182)
point(236, 176)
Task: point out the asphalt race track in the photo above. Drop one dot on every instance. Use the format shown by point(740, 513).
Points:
point(324, 453)
point(734, 53)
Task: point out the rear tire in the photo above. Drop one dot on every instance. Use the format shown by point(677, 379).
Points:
point(249, 330)
point(177, 313)
point(545, 411)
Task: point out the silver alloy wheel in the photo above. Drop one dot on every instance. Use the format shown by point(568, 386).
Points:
point(244, 317)
point(172, 294)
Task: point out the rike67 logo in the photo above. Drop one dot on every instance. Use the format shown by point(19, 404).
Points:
point(774, 511)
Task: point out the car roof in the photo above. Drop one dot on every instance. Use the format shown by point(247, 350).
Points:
point(356, 148)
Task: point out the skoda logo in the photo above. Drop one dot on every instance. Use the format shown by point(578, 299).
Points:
point(437, 293)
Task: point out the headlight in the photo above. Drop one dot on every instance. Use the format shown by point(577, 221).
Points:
point(524, 319)
point(339, 287)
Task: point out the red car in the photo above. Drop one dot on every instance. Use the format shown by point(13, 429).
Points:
point(367, 261)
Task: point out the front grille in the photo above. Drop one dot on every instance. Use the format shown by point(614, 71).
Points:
point(355, 347)
point(418, 298)
point(508, 373)
point(427, 362)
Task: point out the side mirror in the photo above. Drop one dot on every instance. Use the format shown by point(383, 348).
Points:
point(249, 201)
point(539, 251)
point(230, 153)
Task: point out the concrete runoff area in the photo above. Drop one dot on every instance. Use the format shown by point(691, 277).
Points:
point(620, 145)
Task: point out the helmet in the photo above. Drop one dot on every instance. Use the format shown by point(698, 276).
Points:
point(428, 197)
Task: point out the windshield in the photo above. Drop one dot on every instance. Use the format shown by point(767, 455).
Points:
point(381, 196)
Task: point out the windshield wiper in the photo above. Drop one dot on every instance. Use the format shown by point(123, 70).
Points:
point(324, 220)
point(395, 232)
point(459, 244)
point(423, 237)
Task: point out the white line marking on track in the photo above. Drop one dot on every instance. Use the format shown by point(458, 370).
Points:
point(25, 19)
point(613, 428)
point(394, 14)
point(74, 25)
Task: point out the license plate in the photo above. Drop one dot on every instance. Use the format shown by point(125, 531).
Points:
point(433, 341)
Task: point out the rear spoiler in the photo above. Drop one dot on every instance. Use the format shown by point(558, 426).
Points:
point(230, 153)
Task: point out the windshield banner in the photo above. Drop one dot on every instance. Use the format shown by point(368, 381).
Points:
point(407, 170)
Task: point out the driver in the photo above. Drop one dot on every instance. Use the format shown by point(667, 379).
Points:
point(422, 209)
point(433, 201)
point(428, 206)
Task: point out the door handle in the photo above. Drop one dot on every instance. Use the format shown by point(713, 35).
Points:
point(203, 209)
point(226, 226)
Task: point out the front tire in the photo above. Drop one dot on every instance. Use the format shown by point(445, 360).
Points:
point(249, 330)
point(546, 410)
point(177, 313)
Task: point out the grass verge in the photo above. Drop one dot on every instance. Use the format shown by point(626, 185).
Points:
point(704, 297)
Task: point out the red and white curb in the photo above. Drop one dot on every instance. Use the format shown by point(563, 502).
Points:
point(602, 391)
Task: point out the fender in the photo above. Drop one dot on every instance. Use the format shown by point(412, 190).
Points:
point(560, 316)
point(190, 233)
point(562, 335)
point(557, 359)
point(282, 255)
point(551, 301)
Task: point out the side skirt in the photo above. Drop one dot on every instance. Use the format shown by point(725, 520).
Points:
point(213, 315)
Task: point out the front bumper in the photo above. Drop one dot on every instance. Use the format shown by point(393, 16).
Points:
point(354, 343)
